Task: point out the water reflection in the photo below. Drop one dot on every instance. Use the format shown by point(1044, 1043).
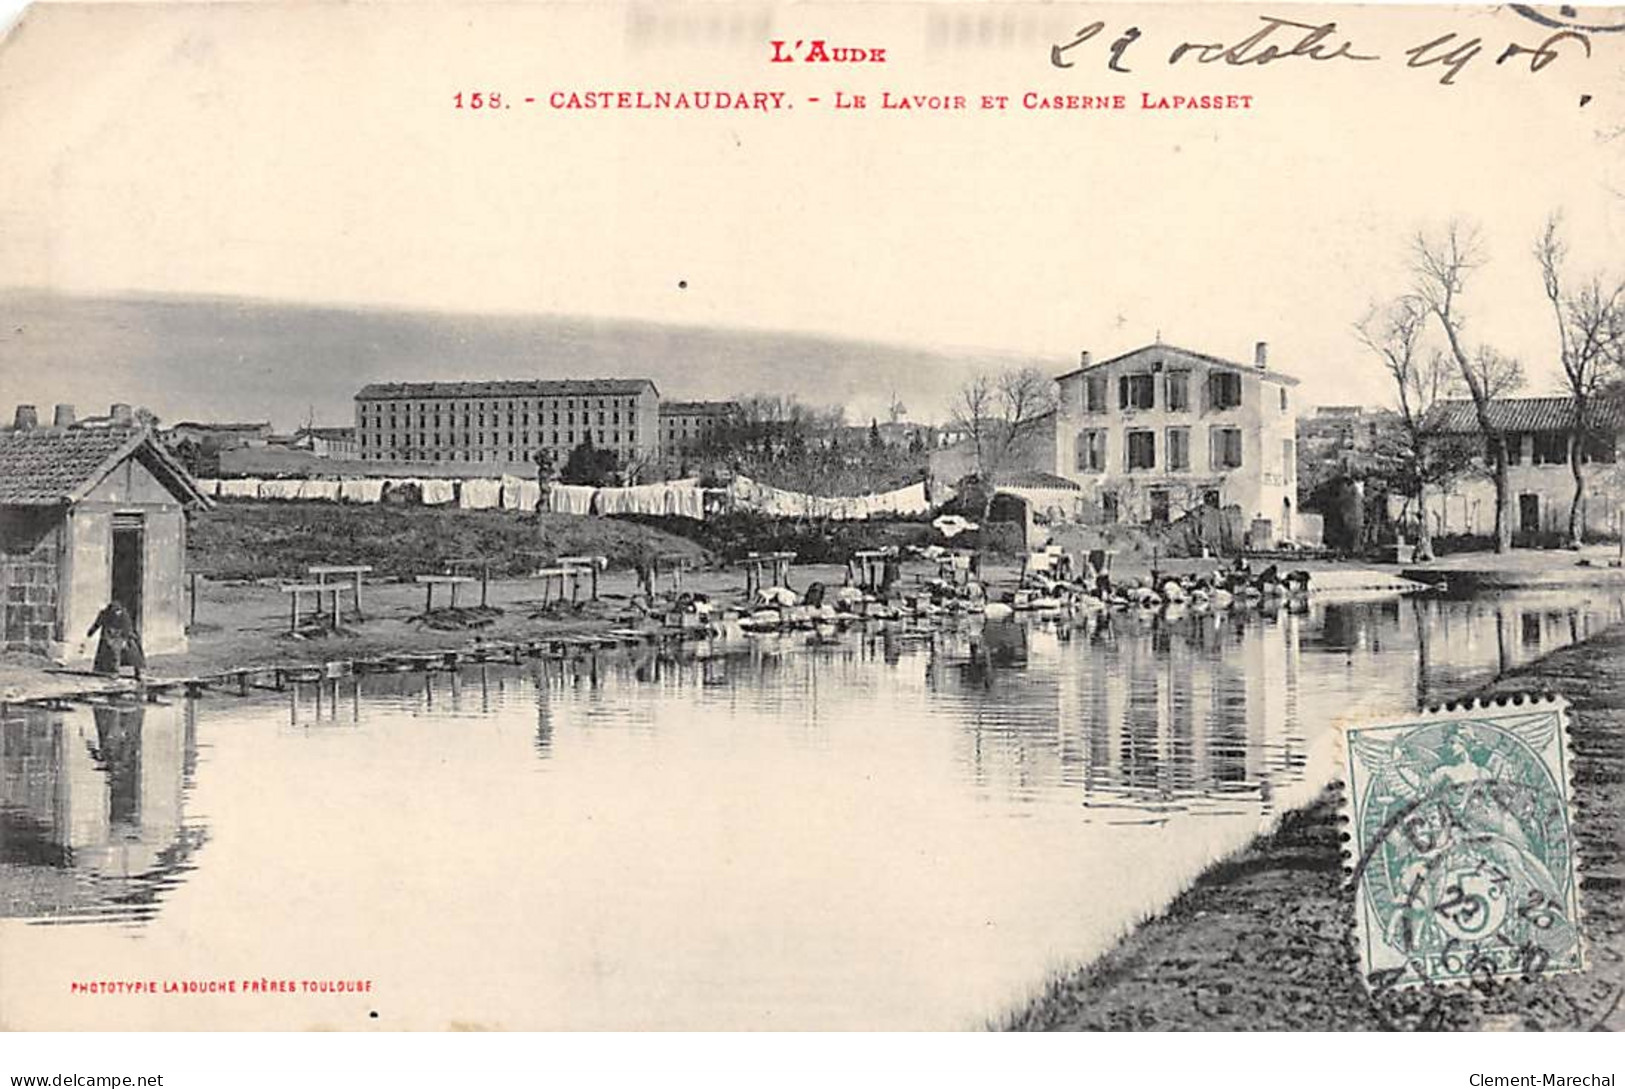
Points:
point(681, 840)
point(91, 809)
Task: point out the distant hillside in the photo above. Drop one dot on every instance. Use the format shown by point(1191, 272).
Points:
point(189, 357)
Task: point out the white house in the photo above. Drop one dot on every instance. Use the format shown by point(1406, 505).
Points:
point(1156, 432)
point(1539, 475)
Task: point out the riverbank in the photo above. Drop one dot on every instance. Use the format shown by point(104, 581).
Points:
point(1263, 939)
point(246, 624)
point(1465, 573)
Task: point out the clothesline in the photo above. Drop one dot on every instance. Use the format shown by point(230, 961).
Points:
point(671, 499)
point(900, 502)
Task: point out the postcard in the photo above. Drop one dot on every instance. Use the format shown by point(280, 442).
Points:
point(811, 516)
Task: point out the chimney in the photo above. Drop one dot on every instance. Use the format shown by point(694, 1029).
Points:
point(27, 418)
point(63, 417)
point(1085, 359)
point(1261, 354)
point(122, 415)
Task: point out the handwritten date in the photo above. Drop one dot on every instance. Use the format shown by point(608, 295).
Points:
point(1281, 39)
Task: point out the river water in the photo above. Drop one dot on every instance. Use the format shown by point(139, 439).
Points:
point(878, 831)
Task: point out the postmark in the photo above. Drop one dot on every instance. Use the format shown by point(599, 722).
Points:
point(1463, 846)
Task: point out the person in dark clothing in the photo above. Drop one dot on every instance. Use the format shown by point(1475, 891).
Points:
point(891, 573)
point(120, 643)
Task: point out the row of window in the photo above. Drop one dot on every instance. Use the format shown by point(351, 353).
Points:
point(1159, 502)
point(432, 440)
point(511, 454)
point(1139, 391)
point(433, 457)
point(1140, 450)
point(1552, 448)
point(510, 404)
point(471, 421)
point(682, 424)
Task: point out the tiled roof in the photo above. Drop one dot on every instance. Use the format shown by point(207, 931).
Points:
point(698, 408)
point(1035, 478)
point(194, 425)
point(43, 467)
point(1523, 414)
point(402, 391)
point(1211, 360)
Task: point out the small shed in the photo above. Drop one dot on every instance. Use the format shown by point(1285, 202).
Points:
point(1031, 498)
point(88, 515)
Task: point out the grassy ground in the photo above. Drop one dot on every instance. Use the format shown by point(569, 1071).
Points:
point(248, 540)
point(1264, 939)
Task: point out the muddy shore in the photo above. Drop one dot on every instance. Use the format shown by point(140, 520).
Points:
point(1264, 939)
point(247, 624)
point(241, 624)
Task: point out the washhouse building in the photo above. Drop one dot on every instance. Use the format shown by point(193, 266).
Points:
point(87, 516)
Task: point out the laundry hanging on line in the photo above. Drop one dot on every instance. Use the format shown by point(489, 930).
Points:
point(570, 498)
point(361, 491)
point(479, 494)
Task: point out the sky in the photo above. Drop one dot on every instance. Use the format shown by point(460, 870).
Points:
point(309, 158)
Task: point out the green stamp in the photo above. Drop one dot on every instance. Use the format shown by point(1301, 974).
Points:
point(1464, 847)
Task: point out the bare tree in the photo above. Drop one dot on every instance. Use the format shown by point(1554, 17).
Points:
point(641, 467)
point(1396, 333)
point(1441, 266)
point(1591, 339)
point(973, 413)
point(772, 425)
point(997, 411)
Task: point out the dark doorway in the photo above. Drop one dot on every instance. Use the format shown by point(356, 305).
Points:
point(1159, 506)
point(129, 540)
point(1529, 513)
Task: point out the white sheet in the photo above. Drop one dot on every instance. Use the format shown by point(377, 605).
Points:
point(324, 490)
point(479, 494)
point(570, 498)
point(437, 493)
point(361, 491)
point(280, 489)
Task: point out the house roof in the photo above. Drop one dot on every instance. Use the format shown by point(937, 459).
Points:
point(45, 467)
point(402, 391)
point(1035, 479)
point(328, 432)
point(1459, 417)
point(1210, 360)
point(195, 425)
point(698, 408)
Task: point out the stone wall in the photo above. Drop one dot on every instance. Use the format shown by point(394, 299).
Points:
point(28, 579)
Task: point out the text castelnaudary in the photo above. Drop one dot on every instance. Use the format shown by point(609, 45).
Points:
point(666, 100)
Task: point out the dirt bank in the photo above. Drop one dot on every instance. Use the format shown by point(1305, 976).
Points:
point(1263, 940)
point(247, 624)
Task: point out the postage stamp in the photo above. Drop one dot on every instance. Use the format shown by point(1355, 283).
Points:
point(1462, 844)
